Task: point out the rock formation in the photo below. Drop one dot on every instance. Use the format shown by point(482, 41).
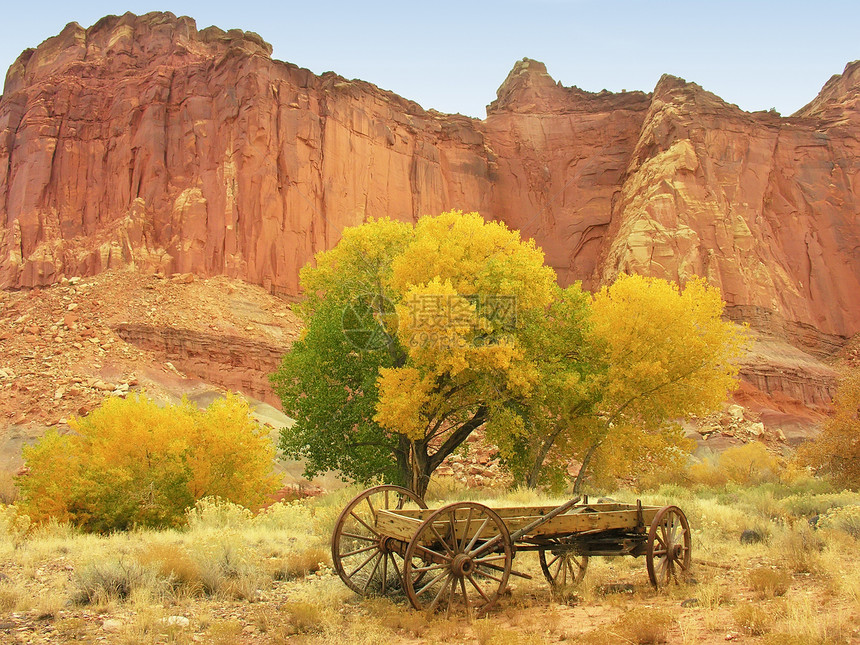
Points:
point(143, 141)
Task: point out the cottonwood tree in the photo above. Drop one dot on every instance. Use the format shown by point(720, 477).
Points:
point(446, 303)
point(645, 354)
point(417, 336)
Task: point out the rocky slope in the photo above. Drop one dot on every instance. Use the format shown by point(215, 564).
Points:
point(144, 142)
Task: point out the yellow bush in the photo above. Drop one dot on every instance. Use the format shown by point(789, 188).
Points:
point(749, 464)
point(133, 463)
point(836, 451)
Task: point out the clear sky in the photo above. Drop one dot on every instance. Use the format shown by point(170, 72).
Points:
point(453, 55)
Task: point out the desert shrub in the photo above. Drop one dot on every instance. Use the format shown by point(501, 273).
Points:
point(300, 564)
point(753, 619)
point(217, 513)
point(836, 451)
point(845, 518)
point(799, 547)
point(174, 564)
point(749, 464)
point(228, 568)
point(14, 525)
point(642, 626)
point(304, 617)
point(769, 583)
point(111, 579)
point(133, 463)
point(645, 625)
point(808, 505)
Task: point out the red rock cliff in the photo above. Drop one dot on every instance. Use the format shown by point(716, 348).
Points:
point(143, 141)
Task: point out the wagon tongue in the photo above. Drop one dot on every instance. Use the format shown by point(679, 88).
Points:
point(528, 528)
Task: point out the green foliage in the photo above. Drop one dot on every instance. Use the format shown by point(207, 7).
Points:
point(836, 451)
point(330, 390)
point(409, 348)
point(448, 363)
point(845, 518)
point(640, 355)
point(133, 463)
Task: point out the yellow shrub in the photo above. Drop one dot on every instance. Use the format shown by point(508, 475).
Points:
point(749, 464)
point(133, 463)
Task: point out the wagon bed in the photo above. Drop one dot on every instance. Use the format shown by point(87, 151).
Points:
point(460, 556)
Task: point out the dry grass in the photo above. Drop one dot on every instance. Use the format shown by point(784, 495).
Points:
point(268, 578)
point(753, 619)
point(769, 583)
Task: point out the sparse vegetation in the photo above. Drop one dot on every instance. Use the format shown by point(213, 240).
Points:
point(266, 577)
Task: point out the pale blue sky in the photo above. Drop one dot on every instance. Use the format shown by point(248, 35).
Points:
point(453, 55)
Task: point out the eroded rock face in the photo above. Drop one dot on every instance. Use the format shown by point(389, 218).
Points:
point(143, 141)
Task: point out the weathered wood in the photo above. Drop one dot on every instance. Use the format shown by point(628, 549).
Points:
point(540, 521)
point(403, 524)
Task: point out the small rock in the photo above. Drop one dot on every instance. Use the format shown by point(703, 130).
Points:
point(177, 621)
point(757, 429)
point(72, 306)
point(752, 536)
point(112, 625)
point(74, 280)
point(690, 602)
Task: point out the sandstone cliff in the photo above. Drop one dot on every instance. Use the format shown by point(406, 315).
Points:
point(145, 142)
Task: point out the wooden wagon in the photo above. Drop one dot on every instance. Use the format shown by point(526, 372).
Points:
point(459, 557)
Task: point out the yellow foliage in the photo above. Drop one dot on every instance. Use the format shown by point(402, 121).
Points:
point(476, 257)
point(669, 353)
point(462, 353)
point(131, 462)
point(358, 265)
point(403, 398)
point(836, 451)
point(749, 464)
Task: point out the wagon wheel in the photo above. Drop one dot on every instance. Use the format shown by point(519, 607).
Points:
point(368, 562)
point(564, 567)
point(668, 547)
point(465, 566)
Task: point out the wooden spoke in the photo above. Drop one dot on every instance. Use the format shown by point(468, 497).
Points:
point(566, 567)
point(378, 555)
point(475, 537)
point(357, 551)
point(458, 553)
point(359, 554)
point(477, 588)
point(364, 564)
point(365, 524)
point(668, 547)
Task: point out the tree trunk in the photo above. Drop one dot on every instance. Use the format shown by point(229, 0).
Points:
point(422, 463)
point(403, 453)
point(537, 464)
point(586, 461)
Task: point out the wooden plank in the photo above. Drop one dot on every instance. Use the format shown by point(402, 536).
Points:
point(397, 525)
point(403, 525)
point(531, 511)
